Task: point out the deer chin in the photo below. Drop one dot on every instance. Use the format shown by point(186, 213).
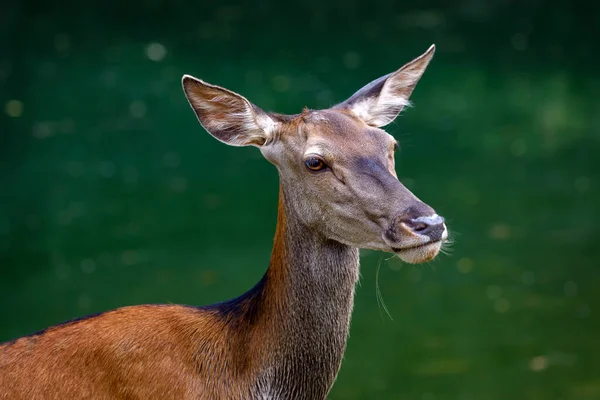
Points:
point(419, 254)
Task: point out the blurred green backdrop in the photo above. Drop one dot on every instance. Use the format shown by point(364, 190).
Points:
point(113, 195)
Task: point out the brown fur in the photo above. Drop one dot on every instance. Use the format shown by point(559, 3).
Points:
point(285, 338)
point(133, 352)
point(167, 351)
point(142, 352)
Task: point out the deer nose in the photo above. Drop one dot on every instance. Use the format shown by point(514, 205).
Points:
point(432, 226)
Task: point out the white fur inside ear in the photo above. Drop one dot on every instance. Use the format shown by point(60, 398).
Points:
point(379, 111)
point(267, 124)
point(232, 113)
point(380, 102)
point(383, 109)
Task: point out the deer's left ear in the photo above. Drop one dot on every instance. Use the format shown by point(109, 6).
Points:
point(380, 102)
point(228, 116)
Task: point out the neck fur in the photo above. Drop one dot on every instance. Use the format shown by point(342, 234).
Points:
point(298, 315)
point(307, 267)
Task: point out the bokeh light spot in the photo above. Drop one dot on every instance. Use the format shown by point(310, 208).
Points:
point(519, 41)
point(500, 231)
point(62, 43)
point(352, 60)
point(171, 160)
point(14, 108)
point(501, 305)
point(528, 278)
point(88, 266)
point(493, 292)
point(538, 363)
point(156, 52)
point(281, 83)
point(137, 109)
point(582, 184)
point(570, 288)
point(518, 148)
point(465, 265)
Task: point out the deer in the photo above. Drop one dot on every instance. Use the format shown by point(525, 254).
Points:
point(284, 338)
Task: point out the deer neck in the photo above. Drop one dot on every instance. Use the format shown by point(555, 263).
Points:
point(308, 273)
point(307, 298)
point(288, 334)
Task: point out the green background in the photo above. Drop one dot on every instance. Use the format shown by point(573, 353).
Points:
point(112, 194)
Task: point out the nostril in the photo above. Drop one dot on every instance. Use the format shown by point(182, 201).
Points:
point(432, 226)
point(417, 226)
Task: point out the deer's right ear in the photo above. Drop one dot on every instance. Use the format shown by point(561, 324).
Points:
point(380, 102)
point(228, 116)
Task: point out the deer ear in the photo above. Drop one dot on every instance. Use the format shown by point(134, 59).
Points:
point(380, 102)
point(226, 115)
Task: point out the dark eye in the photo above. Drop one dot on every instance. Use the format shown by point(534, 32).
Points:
point(315, 164)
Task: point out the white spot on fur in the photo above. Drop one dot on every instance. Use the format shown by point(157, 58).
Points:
point(430, 220)
point(314, 150)
point(316, 116)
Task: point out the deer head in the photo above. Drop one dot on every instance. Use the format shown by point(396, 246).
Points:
point(336, 166)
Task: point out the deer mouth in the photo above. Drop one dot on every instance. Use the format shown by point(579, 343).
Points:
point(419, 253)
point(416, 246)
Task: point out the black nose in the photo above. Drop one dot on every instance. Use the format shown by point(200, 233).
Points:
point(432, 226)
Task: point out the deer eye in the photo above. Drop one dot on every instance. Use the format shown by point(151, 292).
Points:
point(315, 164)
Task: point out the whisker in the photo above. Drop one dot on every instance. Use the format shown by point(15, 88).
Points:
point(447, 248)
point(447, 244)
point(378, 295)
point(392, 256)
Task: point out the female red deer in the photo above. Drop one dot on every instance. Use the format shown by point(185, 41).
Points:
point(283, 339)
